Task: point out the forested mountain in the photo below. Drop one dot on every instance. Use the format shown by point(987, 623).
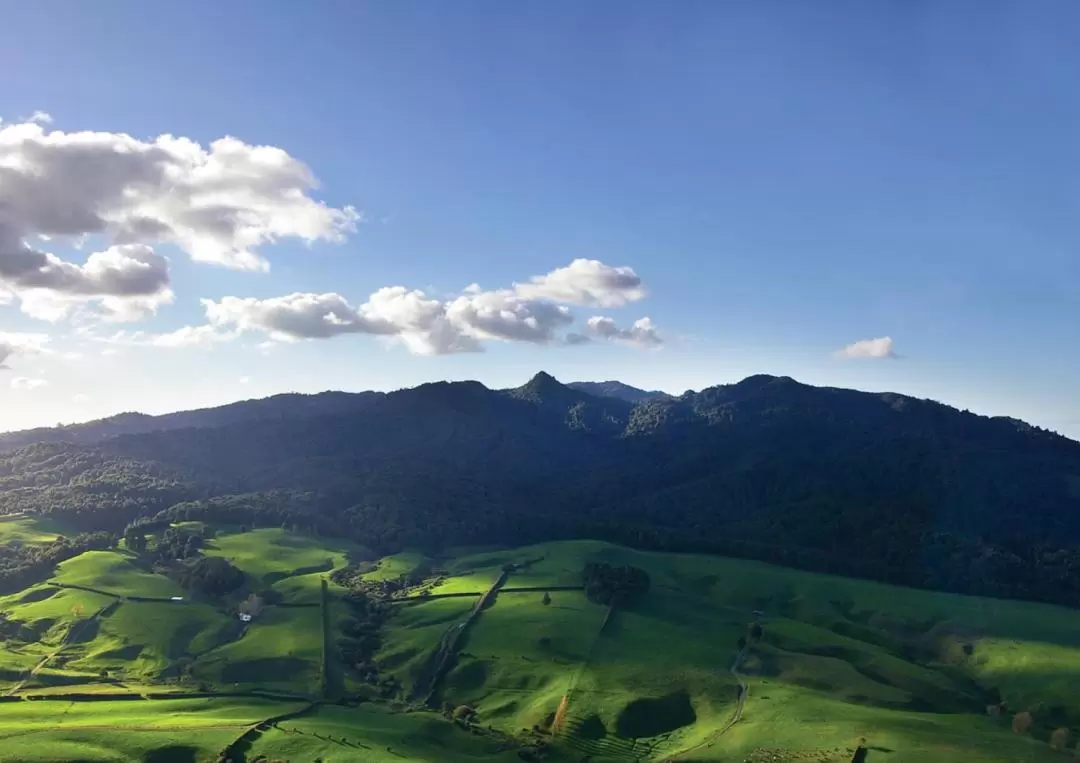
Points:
point(275, 407)
point(875, 485)
point(619, 390)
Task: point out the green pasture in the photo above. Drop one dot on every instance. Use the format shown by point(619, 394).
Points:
point(31, 531)
point(292, 564)
point(114, 572)
point(374, 735)
point(396, 565)
point(415, 630)
point(281, 649)
point(59, 731)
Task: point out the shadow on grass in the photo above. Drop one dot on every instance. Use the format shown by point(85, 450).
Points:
point(176, 753)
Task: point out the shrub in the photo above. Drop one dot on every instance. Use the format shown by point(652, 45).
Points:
point(1021, 722)
point(1059, 740)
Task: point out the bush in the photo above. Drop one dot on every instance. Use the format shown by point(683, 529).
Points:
point(1021, 722)
point(1059, 740)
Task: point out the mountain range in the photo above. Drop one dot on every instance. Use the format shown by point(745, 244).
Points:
point(881, 486)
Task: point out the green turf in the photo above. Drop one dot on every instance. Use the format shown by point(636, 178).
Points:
point(847, 657)
point(840, 659)
point(414, 631)
point(60, 731)
point(281, 649)
point(372, 734)
point(144, 641)
point(391, 567)
point(31, 531)
point(115, 572)
point(292, 564)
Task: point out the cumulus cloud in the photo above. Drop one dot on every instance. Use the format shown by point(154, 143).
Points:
point(642, 333)
point(27, 384)
point(127, 282)
point(535, 313)
point(585, 282)
point(13, 344)
point(877, 349)
point(218, 203)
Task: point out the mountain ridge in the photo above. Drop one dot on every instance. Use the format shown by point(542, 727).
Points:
point(875, 485)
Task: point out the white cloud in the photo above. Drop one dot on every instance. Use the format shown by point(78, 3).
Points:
point(26, 383)
point(219, 204)
point(429, 326)
point(127, 282)
point(642, 333)
point(879, 348)
point(41, 118)
point(245, 380)
point(586, 282)
point(80, 398)
point(14, 344)
point(109, 351)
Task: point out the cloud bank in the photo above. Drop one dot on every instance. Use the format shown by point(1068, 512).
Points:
point(534, 312)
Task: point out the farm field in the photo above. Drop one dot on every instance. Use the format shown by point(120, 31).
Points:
point(290, 563)
point(371, 733)
point(31, 531)
point(57, 731)
point(910, 672)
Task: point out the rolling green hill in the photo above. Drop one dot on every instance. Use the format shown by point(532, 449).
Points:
point(540, 671)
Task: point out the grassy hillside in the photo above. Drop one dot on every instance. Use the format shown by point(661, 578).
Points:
point(160, 730)
point(912, 672)
point(33, 531)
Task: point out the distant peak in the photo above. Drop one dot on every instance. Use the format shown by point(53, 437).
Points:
point(542, 378)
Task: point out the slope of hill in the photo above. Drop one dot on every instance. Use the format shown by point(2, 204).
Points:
point(872, 485)
point(715, 659)
point(283, 406)
point(618, 390)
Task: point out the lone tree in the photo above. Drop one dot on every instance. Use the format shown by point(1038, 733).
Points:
point(547, 598)
point(1021, 722)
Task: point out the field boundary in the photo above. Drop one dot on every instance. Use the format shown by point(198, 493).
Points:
point(441, 660)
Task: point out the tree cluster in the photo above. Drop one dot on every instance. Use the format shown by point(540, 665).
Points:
point(212, 576)
point(618, 585)
point(362, 637)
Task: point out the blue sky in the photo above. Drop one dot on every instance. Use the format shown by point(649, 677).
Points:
point(785, 179)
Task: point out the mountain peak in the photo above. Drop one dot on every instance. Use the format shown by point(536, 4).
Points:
point(543, 379)
point(543, 387)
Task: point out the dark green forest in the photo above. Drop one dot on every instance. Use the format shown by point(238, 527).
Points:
point(879, 486)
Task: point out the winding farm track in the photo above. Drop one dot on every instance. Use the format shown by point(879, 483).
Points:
point(744, 690)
